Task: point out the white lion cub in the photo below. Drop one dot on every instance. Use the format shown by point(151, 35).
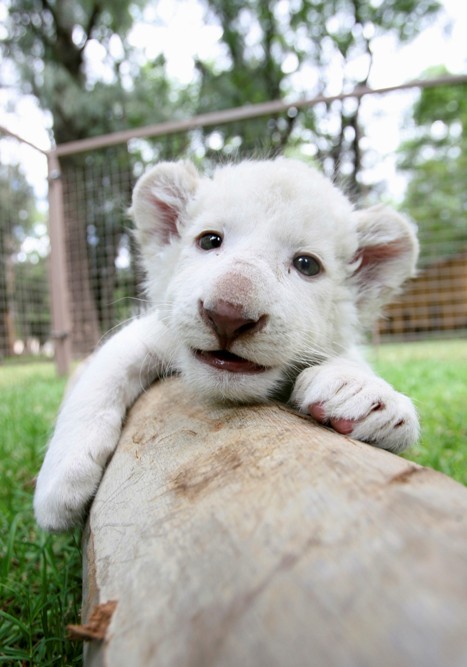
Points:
point(261, 280)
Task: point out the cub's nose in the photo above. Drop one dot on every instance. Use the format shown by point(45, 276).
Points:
point(228, 321)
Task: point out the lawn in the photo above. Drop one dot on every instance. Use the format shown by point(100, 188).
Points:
point(434, 375)
point(40, 576)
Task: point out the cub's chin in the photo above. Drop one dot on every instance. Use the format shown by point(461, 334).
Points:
point(220, 376)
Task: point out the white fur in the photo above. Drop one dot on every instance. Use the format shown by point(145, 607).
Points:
point(267, 213)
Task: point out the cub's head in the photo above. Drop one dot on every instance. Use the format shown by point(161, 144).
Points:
point(263, 269)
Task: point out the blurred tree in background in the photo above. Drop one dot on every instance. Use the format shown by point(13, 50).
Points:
point(278, 49)
point(19, 221)
point(436, 159)
point(48, 41)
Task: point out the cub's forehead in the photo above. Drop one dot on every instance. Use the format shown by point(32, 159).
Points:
point(275, 192)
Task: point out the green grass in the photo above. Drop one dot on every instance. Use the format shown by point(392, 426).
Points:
point(40, 575)
point(434, 375)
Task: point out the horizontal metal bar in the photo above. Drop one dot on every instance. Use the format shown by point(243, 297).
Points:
point(240, 113)
point(246, 112)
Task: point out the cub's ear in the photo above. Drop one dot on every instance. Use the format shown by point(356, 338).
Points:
point(386, 257)
point(160, 199)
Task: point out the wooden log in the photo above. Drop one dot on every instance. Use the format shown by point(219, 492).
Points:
point(251, 537)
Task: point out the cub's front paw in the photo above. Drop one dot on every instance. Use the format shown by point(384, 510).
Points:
point(64, 490)
point(72, 470)
point(355, 402)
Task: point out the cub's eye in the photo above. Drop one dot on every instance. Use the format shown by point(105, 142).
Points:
point(209, 241)
point(307, 265)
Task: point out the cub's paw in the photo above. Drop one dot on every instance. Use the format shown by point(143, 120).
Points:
point(72, 470)
point(355, 402)
point(64, 490)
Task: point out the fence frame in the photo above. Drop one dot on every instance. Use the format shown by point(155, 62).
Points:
point(59, 289)
point(58, 277)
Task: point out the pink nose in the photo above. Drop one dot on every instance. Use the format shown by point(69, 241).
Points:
point(228, 322)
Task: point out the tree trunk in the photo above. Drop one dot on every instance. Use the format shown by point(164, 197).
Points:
point(251, 537)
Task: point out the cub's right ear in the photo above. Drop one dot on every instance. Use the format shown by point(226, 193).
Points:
point(159, 201)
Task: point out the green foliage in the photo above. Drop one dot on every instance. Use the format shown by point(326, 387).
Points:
point(16, 204)
point(19, 220)
point(268, 44)
point(436, 159)
point(48, 42)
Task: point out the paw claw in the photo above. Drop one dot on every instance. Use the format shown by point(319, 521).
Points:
point(355, 402)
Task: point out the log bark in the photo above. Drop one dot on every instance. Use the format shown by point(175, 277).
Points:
point(251, 537)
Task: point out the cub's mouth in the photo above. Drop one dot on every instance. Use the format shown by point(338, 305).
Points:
point(226, 361)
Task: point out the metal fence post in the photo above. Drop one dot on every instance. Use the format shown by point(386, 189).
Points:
point(60, 302)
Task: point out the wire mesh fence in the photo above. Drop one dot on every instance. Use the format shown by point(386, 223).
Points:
point(99, 283)
point(25, 320)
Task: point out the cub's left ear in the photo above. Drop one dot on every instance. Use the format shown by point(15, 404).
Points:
point(160, 199)
point(386, 257)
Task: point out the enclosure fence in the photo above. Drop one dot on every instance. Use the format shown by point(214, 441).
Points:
point(69, 269)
